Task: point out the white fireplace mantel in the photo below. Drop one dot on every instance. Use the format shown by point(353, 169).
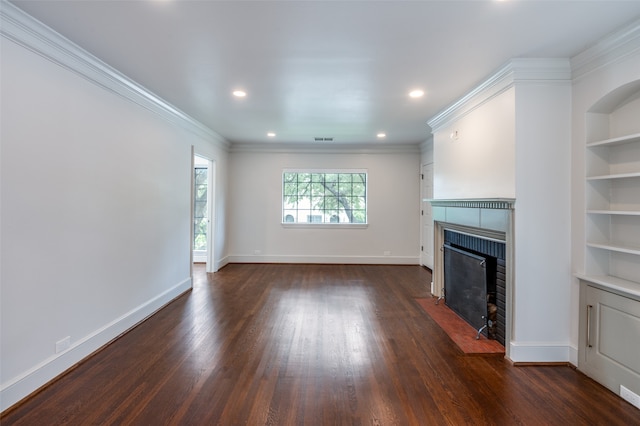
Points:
point(483, 213)
point(489, 218)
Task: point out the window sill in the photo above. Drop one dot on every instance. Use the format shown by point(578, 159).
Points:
point(325, 225)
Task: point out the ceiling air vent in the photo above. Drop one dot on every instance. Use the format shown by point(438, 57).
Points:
point(323, 139)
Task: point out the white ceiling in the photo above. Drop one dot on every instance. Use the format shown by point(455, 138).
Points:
point(338, 69)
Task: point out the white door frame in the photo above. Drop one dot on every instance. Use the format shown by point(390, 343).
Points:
point(211, 210)
point(211, 265)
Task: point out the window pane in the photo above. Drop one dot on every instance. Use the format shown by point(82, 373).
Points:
point(200, 209)
point(331, 177)
point(317, 190)
point(304, 177)
point(331, 203)
point(290, 216)
point(200, 176)
point(304, 215)
point(346, 189)
point(315, 218)
point(345, 178)
point(290, 188)
point(201, 192)
point(359, 216)
point(200, 242)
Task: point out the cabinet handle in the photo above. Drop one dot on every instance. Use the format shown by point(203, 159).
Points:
point(589, 307)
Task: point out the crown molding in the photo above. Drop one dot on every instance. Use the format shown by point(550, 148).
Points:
point(519, 71)
point(612, 48)
point(26, 31)
point(311, 148)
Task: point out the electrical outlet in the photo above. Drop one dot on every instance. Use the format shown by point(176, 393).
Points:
point(257, 251)
point(387, 252)
point(629, 396)
point(63, 345)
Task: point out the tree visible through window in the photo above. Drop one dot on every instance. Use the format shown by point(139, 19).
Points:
point(200, 209)
point(324, 197)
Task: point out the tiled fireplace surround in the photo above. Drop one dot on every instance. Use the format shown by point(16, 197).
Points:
point(483, 218)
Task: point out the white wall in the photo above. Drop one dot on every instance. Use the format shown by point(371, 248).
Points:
point(257, 235)
point(542, 223)
point(95, 216)
point(480, 163)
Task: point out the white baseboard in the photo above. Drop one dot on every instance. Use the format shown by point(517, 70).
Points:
point(44, 372)
point(351, 260)
point(222, 263)
point(573, 355)
point(539, 352)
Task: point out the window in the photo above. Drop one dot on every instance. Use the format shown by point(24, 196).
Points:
point(326, 196)
point(200, 220)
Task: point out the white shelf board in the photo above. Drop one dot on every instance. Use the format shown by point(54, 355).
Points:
point(616, 212)
point(616, 141)
point(615, 176)
point(617, 248)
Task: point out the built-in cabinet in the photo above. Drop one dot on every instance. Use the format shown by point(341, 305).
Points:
point(610, 285)
point(612, 340)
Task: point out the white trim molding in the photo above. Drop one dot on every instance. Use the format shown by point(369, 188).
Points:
point(313, 259)
point(613, 48)
point(222, 263)
point(539, 352)
point(516, 71)
point(331, 148)
point(24, 385)
point(21, 28)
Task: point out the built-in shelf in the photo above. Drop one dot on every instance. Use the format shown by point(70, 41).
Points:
point(615, 176)
point(615, 247)
point(613, 209)
point(616, 141)
point(615, 212)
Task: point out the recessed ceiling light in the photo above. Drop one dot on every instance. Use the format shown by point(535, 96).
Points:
point(239, 93)
point(382, 135)
point(416, 93)
point(271, 135)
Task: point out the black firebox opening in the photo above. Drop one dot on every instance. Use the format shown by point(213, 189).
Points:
point(474, 279)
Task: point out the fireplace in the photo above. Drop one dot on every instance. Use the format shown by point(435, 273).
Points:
point(474, 285)
point(473, 241)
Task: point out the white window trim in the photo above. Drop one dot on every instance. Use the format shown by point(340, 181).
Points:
point(306, 225)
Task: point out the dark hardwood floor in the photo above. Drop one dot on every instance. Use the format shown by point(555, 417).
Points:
point(310, 344)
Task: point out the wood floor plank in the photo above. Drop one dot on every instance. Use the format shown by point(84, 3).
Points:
point(309, 345)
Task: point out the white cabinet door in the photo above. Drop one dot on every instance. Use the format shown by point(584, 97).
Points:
point(612, 347)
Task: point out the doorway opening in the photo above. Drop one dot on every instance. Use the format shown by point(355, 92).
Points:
point(203, 208)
